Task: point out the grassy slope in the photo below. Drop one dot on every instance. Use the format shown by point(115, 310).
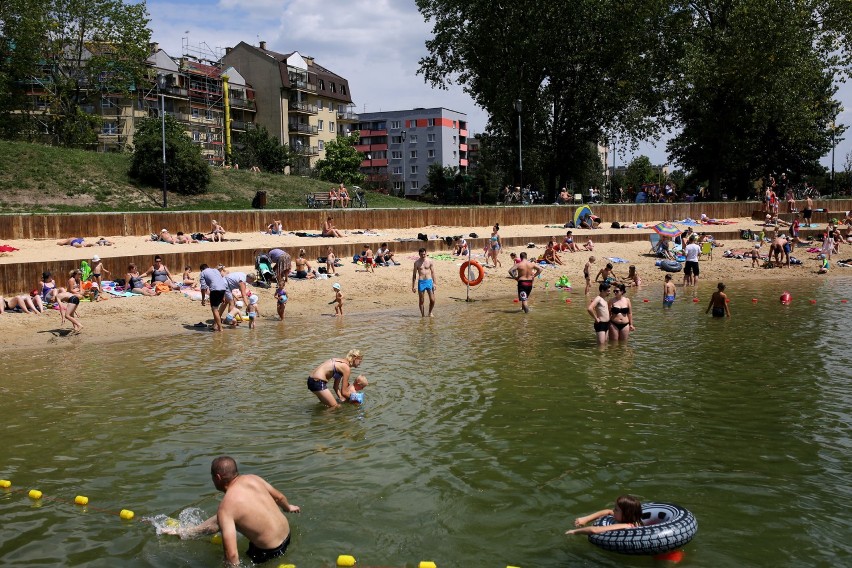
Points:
point(36, 178)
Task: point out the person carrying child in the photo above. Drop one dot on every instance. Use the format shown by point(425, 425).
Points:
point(627, 514)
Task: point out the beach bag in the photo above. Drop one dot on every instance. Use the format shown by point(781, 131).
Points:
point(615, 225)
point(745, 234)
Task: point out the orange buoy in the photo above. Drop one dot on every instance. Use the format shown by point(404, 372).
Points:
point(754, 300)
point(843, 301)
point(695, 300)
point(673, 556)
point(463, 272)
point(786, 298)
point(813, 301)
point(646, 300)
point(567, 300)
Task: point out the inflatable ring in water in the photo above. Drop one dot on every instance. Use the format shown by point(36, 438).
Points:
point(464, 272)
point(669, 265)
point(666, 527)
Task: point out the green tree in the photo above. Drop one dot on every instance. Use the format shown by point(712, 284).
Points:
point(581, 69)
point(640, 171)
point(342, 161)
point(186, 170)
point(256, 147)
point(441, 181)
point(74, 52)
point(753, 92)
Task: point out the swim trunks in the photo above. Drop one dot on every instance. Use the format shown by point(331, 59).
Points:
point(216, 297)
point(356, 397)
point(601, 326)
point(315, 385)
point(668, 301)
point(425, 285)
point(252, 315)
point(718, 312)
point(690, 267)
point(260, 555)
point(301, 274)
point(74, 300)
point(524, 289)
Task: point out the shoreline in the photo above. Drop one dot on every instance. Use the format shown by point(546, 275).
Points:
point(137, 318)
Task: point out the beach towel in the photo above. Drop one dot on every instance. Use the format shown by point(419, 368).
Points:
point(617, 260)
point(118, 294)
point(688, 222)
point(7, 248)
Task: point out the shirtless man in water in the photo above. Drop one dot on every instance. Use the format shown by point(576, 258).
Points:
point(524, 272)
point(250, 506)
point(423, 280)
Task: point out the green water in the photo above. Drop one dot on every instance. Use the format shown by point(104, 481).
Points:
point(484, 434)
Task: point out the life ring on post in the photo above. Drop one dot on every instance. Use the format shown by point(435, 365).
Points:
point(463, 272)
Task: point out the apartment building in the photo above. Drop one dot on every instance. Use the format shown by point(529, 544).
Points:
point(300, 102)
point(192, 90)
point(400, 146)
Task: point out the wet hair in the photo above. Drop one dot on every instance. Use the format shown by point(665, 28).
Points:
point(225, 467)
point(604, 287)
point(609, 265)
point(524, 255)
point(720, 286)
point(621, 288)
point(631, 509)
point(632, 269)
point(352, 355)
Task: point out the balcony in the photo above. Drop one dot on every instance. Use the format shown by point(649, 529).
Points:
point(242, 103)
point(300, 85)
point(308, 129)
point(347, 116)
point(462, 132)
point(371, 133)
point(462, 147)
point(241, 125)
point(301, 107)
point(305, 150)
point(375, 163)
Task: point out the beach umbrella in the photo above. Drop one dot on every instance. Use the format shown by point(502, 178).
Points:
point(580, 213)
point(666, 229)
point(7, 248)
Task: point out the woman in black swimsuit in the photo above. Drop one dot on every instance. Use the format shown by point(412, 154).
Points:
point(620, 315)
point(336, 370)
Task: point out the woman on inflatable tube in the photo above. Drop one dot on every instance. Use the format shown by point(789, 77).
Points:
point(656, 529)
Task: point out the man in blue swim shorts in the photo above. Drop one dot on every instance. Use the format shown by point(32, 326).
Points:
point(669, 292)
point(423, 281)
point(250, 506)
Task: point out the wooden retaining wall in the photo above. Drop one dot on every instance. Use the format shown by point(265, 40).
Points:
point(60, 226)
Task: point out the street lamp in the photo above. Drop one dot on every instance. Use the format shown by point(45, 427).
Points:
point(402, 134)
point(161, 84)
point(519, 107)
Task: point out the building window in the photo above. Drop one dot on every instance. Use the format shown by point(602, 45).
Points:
point(321, 84)
point(195, 113)
point(454, 154)
point(208, 114)
point(413, 170)
point(394, 124)
point(454, 124)
point(319, 104)
point(413, 139)
point(196, 136)
point(321, 145)
point(396, 155)
point(431, 154)
point(415, 184)
point(342, 89)
point(430, 137)
point(431, 122)
point(396, 139)
point(397, 170)
point(110, 128)
point(333, 87)
point(319, 125)
point(331, 126)
point(454, 140)
point(413, 154)
point(397, 186)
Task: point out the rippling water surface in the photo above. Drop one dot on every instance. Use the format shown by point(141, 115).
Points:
point(484, 434)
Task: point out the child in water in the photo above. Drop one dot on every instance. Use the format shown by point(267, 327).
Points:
point(627, 514)
point(281, 298)
point(251, 311)
point(352, 392)
point(338, 299)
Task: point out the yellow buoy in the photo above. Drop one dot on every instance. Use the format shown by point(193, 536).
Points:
point(126, 514)
point(216, 539)
point(170, 522)
point(426, 564)
point(345, 560)
point(81, 500)
point(286, 566)
point(34, 494)
point(4, 483)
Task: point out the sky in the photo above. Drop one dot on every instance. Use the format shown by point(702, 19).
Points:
point(375, 44)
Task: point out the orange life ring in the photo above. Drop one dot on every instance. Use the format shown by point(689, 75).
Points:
point(463, 273)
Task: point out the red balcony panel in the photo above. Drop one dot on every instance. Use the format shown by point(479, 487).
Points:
point(462, 132)
point(363, 148)
point(462, 147)
point(376, 147)
point(462, 163)
point(380, 163)
point(366, 133)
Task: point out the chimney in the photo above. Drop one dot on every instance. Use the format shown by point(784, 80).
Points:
point(154, 47)
point(263, 45)
point(228, 50)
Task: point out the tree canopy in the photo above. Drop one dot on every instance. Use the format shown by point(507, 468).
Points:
point(186, 171)
point(256, 147)
point(72, 52)
point(342, 161)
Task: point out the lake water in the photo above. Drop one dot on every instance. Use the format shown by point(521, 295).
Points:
point(485, 433)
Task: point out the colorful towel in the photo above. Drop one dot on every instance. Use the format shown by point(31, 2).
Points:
point(617, 260)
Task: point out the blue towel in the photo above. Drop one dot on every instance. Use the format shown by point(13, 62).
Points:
point(617, 260)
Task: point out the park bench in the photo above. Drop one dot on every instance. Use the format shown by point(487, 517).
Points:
point(318, 199)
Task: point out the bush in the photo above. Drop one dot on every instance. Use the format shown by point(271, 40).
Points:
point(187, 172)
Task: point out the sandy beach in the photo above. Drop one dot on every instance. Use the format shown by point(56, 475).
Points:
point(387, 288)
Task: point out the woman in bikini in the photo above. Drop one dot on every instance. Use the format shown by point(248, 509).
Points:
point(135, 284)
point(620, 315)
point(494, 246)
point(75, 284)
point(48, 288)
point(336, 370)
